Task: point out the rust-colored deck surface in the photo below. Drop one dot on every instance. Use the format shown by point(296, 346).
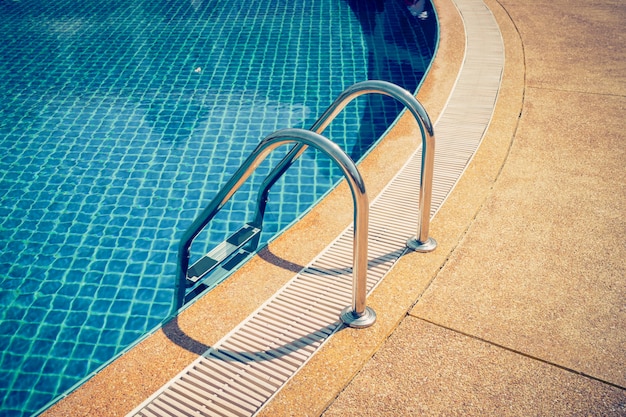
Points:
point(520, 310)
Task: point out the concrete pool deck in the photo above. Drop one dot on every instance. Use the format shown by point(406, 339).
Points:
point(521, 310)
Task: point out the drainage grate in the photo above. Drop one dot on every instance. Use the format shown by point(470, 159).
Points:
point(247, 367)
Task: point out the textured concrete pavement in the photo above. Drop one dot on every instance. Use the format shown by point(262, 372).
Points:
point(528, 314)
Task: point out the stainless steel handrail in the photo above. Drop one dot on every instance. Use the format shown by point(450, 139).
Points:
point(421, 242)
point(357, 315)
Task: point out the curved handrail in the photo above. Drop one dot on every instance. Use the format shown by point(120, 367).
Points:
point(358, 315)
point(422, 242)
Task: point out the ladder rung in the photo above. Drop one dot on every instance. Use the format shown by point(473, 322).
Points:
point(220, 253)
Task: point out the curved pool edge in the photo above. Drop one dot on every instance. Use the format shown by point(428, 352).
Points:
point(125, 383)
point(330, 371)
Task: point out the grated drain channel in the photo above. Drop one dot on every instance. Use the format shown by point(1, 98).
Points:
point(247, 367)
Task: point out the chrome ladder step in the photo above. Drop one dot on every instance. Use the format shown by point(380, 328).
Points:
point(227, 254)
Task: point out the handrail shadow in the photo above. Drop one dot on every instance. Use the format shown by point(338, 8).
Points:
point(268, 256)
point(173, 332)
point(176, 334)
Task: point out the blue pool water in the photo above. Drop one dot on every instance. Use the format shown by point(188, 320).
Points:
point(120, 120)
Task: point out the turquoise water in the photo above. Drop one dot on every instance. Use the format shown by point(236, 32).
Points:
point(120, 120)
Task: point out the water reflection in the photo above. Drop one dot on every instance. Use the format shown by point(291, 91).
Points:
point(400, 37)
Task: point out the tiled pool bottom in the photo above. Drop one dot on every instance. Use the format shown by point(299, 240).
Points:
point(119, 121)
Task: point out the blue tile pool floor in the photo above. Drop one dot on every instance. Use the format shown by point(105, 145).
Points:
point(120, 120)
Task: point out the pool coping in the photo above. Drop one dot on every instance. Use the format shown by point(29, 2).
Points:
point(126, 382)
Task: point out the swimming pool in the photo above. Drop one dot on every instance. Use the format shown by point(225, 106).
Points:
point(120, 120)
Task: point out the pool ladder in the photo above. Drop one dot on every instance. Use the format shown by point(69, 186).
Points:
point(244, 241)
